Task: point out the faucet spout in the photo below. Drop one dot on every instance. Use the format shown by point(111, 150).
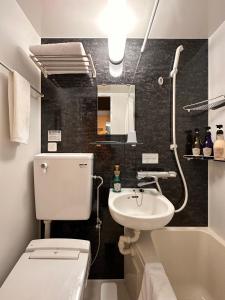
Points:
point(155, 180)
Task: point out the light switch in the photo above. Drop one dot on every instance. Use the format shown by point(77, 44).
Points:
point(150, 158)
point(52, 147)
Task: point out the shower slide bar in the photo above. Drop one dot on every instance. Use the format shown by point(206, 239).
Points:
point(213, 103)
point(33, 88)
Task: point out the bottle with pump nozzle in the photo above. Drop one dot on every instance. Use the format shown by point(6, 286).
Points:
point(219, 145)
point(196, 145)
point(189, 140)
point(208, 144)
point(116, 179)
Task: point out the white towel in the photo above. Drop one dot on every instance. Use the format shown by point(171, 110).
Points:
point(62, 67)
point(155, 284)
point(72, 48)
point(19, 108)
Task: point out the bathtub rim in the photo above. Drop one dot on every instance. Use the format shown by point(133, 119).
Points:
point(152, 255)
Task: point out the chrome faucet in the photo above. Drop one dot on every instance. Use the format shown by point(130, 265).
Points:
point(154, 175)
point(155, 180)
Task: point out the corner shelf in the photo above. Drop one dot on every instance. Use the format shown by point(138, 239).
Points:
point(213, 104)
point(201, 157)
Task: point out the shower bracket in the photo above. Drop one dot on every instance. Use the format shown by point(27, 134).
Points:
point(173, 147)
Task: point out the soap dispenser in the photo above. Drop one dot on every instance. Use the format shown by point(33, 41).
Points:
point(116, 179)
point(219, 145)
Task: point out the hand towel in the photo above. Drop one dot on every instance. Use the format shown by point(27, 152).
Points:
point(155, 284)
point(19, 108)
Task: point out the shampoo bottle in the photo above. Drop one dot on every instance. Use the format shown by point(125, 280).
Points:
point(116, 179)
point(219, 145)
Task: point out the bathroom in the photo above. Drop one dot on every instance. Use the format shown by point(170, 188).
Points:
point(171, 60)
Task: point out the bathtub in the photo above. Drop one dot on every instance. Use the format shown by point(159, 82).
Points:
point(193, 258)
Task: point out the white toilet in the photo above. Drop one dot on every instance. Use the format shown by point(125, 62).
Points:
point(55, 269)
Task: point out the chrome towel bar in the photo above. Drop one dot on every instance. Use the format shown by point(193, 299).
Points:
point(33, 88)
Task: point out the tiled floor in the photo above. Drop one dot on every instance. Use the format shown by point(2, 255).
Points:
point(93, 290)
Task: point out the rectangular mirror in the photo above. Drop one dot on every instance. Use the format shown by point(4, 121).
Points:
point(116, 108)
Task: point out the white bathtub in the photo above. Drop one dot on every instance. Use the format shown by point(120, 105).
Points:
point(194, 260)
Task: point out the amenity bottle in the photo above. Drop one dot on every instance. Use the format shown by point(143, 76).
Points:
point(116, 180)
point(196, 145)
point(208, 144)
point(219, 145)
point(189, 140)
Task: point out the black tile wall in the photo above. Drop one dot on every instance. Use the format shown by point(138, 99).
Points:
point(70, 105)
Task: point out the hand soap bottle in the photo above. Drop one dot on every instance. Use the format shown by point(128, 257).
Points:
point(219, 145)
point(116, 179)
point(208, 144)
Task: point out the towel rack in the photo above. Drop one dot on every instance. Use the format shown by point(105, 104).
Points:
point(61, 64)
point(33, 88)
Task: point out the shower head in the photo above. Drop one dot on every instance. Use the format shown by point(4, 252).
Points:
point(176, 61)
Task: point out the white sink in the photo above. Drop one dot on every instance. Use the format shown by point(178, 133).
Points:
point(140, 210)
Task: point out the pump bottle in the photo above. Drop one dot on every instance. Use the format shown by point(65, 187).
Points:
point(219, 145)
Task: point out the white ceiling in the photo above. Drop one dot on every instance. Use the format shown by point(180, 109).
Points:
point(81, 18)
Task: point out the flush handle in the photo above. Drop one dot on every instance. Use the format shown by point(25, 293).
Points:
point(83, 165)
point(44, 167)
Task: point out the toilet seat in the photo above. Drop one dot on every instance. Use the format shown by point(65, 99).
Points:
point(50, 269)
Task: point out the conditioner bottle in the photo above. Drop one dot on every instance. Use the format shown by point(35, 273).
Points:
point(208, 144)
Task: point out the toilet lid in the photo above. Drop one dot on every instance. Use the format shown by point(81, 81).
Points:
point(47, 278)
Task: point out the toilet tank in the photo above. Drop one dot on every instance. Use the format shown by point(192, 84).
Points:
point(63, 186)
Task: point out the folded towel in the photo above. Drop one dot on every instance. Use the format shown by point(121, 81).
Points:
point(155, 284)
point(72, 48)
point(62, 67)
point(19, 108)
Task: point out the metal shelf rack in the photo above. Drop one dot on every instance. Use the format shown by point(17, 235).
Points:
point(64, 64)
point(213, 103)
point(201, 157)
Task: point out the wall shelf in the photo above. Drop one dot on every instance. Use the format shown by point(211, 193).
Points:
point(213, 104)
point(201, 157)
point(99, 143)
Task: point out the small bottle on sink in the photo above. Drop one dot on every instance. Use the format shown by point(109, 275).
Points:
point(116, 180)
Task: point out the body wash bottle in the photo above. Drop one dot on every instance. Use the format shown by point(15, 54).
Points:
point(219, 145)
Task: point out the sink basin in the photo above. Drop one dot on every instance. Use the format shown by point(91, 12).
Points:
point(140, 210)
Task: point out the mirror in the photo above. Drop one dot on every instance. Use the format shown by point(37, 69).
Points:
point(116, 108)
